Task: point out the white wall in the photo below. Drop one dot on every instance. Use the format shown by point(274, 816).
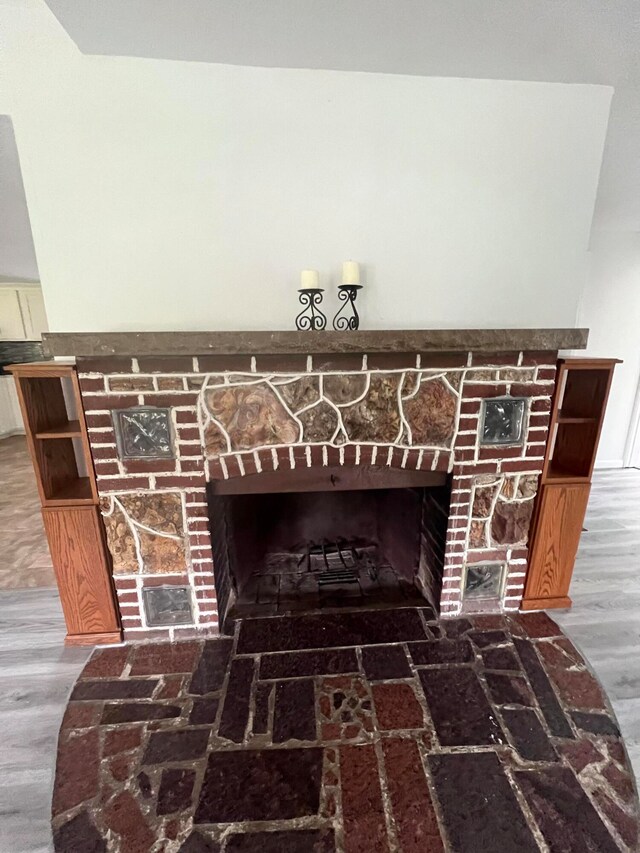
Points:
point(17, 255)
point(611, 309)
point(174, 195)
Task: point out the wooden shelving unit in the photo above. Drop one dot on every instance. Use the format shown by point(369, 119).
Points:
point(51, 405)
point(576, 423)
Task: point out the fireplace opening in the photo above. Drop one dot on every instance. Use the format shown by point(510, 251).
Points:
point(340, 538)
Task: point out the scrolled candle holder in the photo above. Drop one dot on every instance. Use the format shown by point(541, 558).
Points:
point(347, 318)
point(311, 318)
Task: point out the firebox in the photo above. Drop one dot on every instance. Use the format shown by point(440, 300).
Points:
point(340, 537)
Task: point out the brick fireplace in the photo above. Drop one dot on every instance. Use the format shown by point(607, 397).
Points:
point(176, 438)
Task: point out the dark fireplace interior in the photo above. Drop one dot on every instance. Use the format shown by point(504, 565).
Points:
point(288, 551)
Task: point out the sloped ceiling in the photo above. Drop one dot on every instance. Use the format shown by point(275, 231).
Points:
point(573, 41)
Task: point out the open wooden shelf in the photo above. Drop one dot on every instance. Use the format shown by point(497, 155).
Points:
point(69, 429)
point(577, 414)
point(77, 492)
point(568, 419)
point(51, 404)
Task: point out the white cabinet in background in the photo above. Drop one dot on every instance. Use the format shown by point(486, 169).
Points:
point(22, 314)
point(11, 323)
point(10, 416)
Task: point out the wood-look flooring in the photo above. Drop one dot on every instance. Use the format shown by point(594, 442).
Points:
point(604, 621)
point(24, 553)
point(37, 671)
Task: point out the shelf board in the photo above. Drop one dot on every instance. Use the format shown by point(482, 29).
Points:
point(561, 475)
point(70, 429)
point(568, 419)
point(76, 492)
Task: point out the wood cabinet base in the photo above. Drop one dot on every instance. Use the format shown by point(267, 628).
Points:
point(107, 639)
point(546, 603)
point(79, 560)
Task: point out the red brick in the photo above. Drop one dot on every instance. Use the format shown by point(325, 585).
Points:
point(541, 405)
point(109, 401)
point(71, 787)
point(546, 373)
point(130, 383)
point(397, 707)
point(127, 598)
point(498, 359)
point(198, 526)
point(166, 364)
point(533, 357)
point(133, 623)
point(478, 468)
point(470, 407)
point(149, 466)
point(163, 658)
point(427, 460)
point(167, 401)
point(187, 418)
point(122, 484)
point(362, 809)
point(538, 420)
point(170, 383)
point(163, 580)
point(468, 440)
point(122, 739)
point(465, 454)
point(222, 363)
point(124, 583)
point(415, 817)
point(94, 383)
point(209, 618)
point(188, 434)
point(513, 466)
point(215, 469)
point(500, 453)
point(233, 468)
point(519, 553)
point(266, 460)
point(105, 364)
point(106, 469)
point(208, 594)
point(530, 389)
point(189, 450)
point(535, 450)
point(98, 421)
point(484, 554)
point(190, 466)
point(472, 389)
point(178, 481)
point(110, 452)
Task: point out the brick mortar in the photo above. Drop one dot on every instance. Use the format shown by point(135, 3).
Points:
point(529, 377)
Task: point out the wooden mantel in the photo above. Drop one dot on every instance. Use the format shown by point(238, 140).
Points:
point(285, 342)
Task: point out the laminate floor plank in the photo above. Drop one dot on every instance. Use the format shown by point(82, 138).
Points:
point(37, 673)
point(604, 621)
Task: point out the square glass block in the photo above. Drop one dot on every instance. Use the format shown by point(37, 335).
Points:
point(484, 580)
point(143, 433)
point(502, 421)
point(167, 605)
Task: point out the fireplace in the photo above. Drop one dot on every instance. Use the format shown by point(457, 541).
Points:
point(219, 455)
point(338, 537)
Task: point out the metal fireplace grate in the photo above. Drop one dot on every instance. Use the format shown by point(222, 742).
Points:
point(337, 576)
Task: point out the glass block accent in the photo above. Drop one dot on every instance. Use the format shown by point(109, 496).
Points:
point(167, 605)
point(143, 433)
point(484, 580)
point(502, 421)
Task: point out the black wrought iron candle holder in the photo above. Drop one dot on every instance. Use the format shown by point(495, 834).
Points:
point(347, 319)
point(311, 318)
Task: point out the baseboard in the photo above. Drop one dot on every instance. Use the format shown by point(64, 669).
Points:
point(11, 432)
point(604, 464)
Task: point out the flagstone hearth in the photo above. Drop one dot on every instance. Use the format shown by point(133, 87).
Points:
point(346, 732)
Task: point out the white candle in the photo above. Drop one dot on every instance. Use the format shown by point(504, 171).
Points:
point(350, 272)
point(309, 279)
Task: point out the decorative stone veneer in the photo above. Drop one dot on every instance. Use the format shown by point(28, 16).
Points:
point(235, 417)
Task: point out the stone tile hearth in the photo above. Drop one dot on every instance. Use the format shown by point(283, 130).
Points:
point(345, 732)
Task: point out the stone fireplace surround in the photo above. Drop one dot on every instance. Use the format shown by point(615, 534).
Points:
point(241, 414)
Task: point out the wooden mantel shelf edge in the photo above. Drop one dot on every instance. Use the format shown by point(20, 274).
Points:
point(285, 342)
